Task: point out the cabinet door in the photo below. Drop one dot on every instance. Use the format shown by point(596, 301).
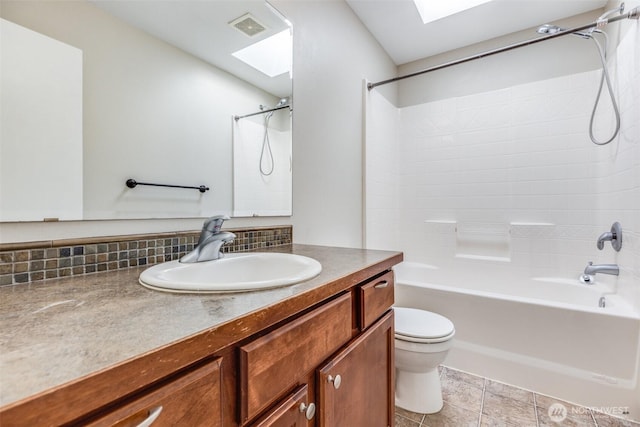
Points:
point(294, 411)
point(272, 365)
point(356, 387)
point(192, 399)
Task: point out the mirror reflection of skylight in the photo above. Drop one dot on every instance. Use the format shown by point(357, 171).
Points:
point(271, 56)
point(432, 10)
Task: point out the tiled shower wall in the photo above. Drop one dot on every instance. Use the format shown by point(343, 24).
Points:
point(510, 178)
point(255, 193)
point(618, 195)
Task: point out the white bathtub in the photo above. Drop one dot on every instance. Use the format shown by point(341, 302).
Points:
point(545, 334)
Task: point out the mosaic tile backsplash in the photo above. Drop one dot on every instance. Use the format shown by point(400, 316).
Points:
point(62, 258)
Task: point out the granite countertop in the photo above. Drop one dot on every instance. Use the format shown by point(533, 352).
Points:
point(58, 331)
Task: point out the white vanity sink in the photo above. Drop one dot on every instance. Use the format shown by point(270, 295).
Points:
point(237, 272)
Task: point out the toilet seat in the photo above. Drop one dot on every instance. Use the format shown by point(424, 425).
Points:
point(422, 326)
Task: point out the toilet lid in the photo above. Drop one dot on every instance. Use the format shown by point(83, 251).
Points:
point(421, 324)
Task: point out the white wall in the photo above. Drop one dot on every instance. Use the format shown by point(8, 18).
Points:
point(553, 58)
point(150, 112)
point(262, 167)
point(382, 174)
point(510, 176)
point(40, 126)
point(618, 191)
point(333, 53)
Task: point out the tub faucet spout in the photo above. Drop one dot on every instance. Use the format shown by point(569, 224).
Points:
point(592, 269)
point(210, 242)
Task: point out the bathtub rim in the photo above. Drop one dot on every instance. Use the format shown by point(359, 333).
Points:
point(615, 306)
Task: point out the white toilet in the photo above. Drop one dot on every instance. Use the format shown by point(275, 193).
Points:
point(422, 342)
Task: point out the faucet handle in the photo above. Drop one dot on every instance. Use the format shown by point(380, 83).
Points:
point(616, 241)
point(614, 236)
point(214, 223)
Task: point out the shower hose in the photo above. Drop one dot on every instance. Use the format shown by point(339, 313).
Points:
point(603, 77)
point(266, 147)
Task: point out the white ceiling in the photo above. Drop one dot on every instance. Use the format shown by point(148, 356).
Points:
point(201, 27)
point(397, 26)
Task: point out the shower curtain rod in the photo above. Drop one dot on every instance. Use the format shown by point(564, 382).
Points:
point(632, 14)
point(236, 118)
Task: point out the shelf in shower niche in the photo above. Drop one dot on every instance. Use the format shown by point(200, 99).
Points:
point(485, 241)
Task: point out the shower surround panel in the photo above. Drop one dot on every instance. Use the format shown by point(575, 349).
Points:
point(507, 183)
point(511, 175)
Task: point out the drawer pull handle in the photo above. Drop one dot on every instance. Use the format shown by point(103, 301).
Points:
point(308, 410)
point(381, 285)
point(153, 415)
point(336, 381)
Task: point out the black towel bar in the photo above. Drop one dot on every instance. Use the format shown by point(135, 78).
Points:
point(131, 183)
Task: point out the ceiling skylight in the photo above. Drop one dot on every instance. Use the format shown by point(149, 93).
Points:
point(432, 10)
point(271, 56)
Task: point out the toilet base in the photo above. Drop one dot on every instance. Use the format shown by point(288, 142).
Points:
point(419, 392)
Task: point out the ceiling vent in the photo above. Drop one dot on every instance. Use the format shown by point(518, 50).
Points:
point(248, 24)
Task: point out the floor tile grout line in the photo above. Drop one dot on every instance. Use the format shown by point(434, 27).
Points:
point(535, 409)
point(484, 387)
point(442, 374)
point(409, 419)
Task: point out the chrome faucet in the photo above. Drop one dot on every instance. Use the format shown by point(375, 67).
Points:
point(591, 269)
point(210, 241)
point(614, 236)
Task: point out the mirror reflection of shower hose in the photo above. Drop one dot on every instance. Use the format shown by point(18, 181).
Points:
point(266, 146)
point(603, 77)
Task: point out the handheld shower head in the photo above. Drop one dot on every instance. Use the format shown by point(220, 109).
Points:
point(608, 13)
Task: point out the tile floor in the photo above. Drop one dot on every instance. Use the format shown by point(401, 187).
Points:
point(470, 400)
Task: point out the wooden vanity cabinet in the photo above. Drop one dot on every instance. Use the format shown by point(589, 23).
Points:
point(355, 387)
point(346, 346)
point(275, 362)
point(326, 360)
point(293, 411)
point(375, 298)
point(192, 399)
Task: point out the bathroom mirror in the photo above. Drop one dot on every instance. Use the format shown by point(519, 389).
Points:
point(159, 89)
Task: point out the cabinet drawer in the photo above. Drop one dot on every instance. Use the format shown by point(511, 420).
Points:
point(272, 364)
point(376, 297)
point(294, 411)
point(193, 399)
